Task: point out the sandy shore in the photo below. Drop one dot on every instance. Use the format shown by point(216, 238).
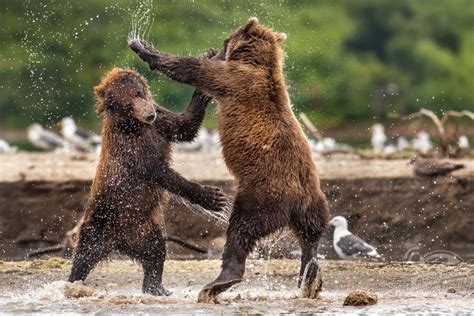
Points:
point(270, 286)
point(196, 166)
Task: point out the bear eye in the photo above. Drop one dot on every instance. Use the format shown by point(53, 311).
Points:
point(138, 94)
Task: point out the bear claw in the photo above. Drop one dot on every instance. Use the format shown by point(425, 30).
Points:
point(157, 291)
point(312, 282)
point(145, 51)
point(216, 199)
point(209, 293)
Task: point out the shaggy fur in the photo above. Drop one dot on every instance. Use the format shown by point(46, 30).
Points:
point(264, 147)
point(134, 175)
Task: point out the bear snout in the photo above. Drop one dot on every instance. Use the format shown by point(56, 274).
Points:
point(144, 110)
point(150, 118)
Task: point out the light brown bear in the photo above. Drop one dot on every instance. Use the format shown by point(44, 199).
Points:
point(264, 147)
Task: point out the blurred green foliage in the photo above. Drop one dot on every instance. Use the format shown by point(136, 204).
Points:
point(346, 60)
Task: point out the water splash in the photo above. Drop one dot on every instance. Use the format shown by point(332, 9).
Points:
point(220, 218)
point(46, 37)
point(142, 21)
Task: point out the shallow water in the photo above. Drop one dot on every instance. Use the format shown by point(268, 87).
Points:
point(50, 299)
point(269, 288)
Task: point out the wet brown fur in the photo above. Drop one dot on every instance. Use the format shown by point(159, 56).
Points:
point(264, 146)
point(133, 177)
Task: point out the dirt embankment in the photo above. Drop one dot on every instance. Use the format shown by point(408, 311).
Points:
point(42, 196)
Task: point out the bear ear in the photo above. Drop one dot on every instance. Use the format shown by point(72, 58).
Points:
point(100, 107)
point(251, 23)
point(281, 37)
point(100, 93)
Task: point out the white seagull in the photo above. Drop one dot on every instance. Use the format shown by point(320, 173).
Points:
point(390, 149)
point(402, 144)
point(79, 137)
point(205, 141)
point(422, 142)
point(463, 142)
point(6, 148)
point(44, 139)
point(328, 144)
point(197, 143)
point(349, 246)
point(212, 143)
point(378, 138)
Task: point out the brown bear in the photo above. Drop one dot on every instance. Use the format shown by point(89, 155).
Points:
point(264, 147)
point(133, 176)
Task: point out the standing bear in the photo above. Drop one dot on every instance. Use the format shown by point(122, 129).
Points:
point(133, 177)
point(264, 147)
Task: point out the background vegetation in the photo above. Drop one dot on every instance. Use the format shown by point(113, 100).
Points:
point(348, 61)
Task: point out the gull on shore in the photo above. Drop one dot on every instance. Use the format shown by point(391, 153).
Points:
point(45, 139)
point(348, 245)
point(205, 141)
point(422, 142)
point(80, 138)
point(5, 147)
point(378, 138)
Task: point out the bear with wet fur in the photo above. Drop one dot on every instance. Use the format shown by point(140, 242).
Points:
point(133, 177)
point(264, 147)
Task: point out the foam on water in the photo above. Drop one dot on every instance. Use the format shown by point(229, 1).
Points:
point(36, 299)
point(51, 298)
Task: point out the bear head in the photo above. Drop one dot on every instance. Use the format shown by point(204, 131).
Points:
point(124, 94)
point(254, 44)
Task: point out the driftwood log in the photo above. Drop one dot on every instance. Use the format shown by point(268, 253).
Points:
point(66, 248)
point(448, 134)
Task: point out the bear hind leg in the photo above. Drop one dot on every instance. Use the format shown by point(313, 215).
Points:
point(92, 247)
point(245, 229)
point(153, 268)
point(151, 254)
point(308, 229)
point(232, 268)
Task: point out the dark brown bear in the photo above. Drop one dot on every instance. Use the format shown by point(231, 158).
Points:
point(134, 175)
point(263, 145)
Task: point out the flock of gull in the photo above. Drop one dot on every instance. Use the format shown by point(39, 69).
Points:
point(75, 139)
point(72, 139)
point(421, 143)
